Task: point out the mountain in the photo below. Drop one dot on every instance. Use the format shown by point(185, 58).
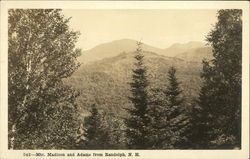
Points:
point(114, 48)
point(178, 48)
point(196, 54)
point(104, 76)
point(105, 82)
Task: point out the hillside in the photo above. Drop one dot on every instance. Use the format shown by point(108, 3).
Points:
point(178, 48)
point(105, 82)
point(196, 54)
point(106, 71)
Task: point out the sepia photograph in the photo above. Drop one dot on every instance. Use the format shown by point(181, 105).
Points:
point(125, 79)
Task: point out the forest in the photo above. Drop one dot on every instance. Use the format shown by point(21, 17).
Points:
point(60, 98)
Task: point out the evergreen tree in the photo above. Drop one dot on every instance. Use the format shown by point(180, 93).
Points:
point(169, 118)
point(41, 53)
point(137, 123)
point(177, 114)
point(219, 120)
point(199, 133)
point(95, 136)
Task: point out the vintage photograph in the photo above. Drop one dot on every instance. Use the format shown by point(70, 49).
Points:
point(121, 79)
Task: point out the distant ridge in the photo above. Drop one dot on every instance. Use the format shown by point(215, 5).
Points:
point(116, 47)
point(112, 49)
point(196, 54)
point(178, 48)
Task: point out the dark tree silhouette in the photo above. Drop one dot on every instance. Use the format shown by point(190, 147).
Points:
point(95, 135)
point(137, 123)
point(218, 119)
point(169, 120)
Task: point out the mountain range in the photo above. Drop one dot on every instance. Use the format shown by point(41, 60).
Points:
point(191, 51)
point(103, 78)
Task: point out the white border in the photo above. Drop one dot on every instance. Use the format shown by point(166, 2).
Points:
point(152, 154)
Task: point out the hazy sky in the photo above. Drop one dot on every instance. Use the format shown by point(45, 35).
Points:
point(159, 28)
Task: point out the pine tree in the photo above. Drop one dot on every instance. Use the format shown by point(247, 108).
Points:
point(199, 133)
point(177, 115)
point(95, 136)
point(169, 118)
point(41, 53)
point(137, 123)
point(219, 119)
point(92, 125)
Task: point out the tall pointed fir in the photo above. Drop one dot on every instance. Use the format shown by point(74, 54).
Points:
point(219, 119)
point(94, 135)
point(177, 115)
point(169, 119)
point(137, 123)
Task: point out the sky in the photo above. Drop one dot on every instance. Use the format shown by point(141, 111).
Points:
point(159, 28)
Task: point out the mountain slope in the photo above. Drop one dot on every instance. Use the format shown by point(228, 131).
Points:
point(178, 48)
point(196, 54)
point(105, 82)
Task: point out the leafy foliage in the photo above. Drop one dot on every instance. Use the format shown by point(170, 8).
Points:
point(42, 109)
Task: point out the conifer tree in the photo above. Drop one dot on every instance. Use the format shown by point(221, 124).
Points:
point(177, 115)
point(95, 136)
point(137, 123)
point(169, 118)
point(218, 123)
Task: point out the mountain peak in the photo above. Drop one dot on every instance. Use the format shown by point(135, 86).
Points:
point(113, 48)
point(124, 40)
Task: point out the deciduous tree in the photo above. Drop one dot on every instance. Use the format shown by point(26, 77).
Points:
point(41, 53)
